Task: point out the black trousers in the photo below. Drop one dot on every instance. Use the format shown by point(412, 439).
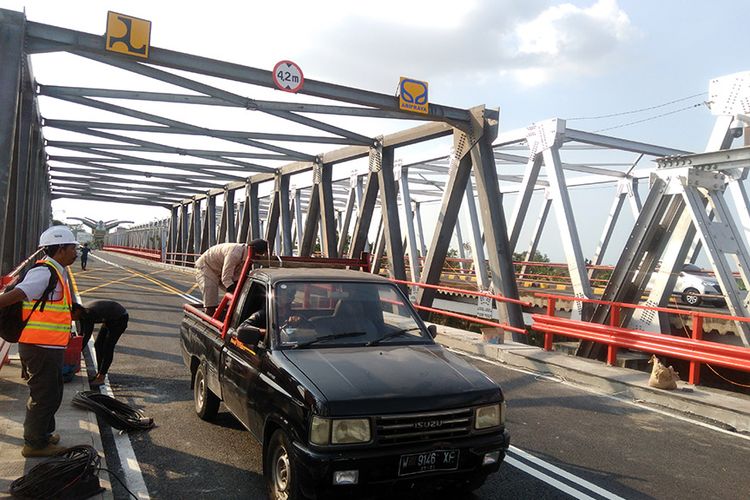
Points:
point(105, 342)
point(44, 367)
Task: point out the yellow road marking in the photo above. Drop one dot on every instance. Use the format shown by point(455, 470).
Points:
point(73, 283)
point(161, 284)
point(195, 285)
point(112, 282)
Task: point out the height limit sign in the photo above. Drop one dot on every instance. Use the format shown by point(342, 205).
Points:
point(288, 76)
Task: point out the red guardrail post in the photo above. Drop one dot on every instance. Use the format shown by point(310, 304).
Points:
point(614, 321)
point(695, 366)
point(548, 336)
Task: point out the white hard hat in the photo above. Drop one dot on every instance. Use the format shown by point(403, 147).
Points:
point(57, 235)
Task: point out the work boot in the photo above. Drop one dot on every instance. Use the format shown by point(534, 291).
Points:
point(54, 438)
point(47, 451)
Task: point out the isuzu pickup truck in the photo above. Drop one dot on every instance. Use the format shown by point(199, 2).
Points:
point(341, 382)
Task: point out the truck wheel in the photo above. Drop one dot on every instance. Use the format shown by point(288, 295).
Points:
point(206, 402)
point(282, 479)
point(691, 297)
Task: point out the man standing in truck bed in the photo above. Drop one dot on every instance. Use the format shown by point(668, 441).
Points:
point(219, 268)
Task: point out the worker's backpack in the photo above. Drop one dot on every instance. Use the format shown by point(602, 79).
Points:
point(12, 322)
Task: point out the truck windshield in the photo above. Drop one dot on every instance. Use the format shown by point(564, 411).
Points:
point(326, 314)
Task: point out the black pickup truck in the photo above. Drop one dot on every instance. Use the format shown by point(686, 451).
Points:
point(343, 385)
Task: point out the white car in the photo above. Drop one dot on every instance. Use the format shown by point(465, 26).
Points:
point(695, 286)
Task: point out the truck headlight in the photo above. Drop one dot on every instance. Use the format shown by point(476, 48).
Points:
point(324, 431)
point(350, 431)
point(320, 431)
point(487, 416)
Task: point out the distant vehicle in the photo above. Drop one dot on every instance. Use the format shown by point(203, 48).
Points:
point(695, 287)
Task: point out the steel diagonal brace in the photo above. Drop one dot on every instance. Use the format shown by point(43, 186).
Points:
point(43, 37)
point(181, 126)
point(235, 99)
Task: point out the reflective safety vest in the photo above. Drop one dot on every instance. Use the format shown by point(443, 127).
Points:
point(51, 326)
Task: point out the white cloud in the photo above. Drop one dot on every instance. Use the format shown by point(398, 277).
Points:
point(566, 40)
point(533, 41)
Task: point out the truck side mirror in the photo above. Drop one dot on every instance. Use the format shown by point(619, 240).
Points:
point(249, 335)
point(433, 330)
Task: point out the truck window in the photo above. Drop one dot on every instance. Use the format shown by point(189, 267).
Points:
point(256, 301)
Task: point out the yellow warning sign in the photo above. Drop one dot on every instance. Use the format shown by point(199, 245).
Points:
point(127, 35)
point(413, 96)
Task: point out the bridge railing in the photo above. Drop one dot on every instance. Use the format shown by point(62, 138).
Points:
point(693, 349)
point(5, 281)
point(146, 253)
point(473, 319)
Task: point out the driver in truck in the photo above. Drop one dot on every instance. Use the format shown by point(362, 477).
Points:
point(288, 320)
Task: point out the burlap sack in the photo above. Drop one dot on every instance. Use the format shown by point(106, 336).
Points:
point(662, 377)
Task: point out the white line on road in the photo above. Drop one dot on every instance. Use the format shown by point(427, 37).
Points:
point(604, 395)
point(176, 292)
point(128, 461)
point(547, 479)
point(560, 472)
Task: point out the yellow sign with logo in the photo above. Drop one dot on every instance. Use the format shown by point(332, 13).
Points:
point(412, 96)
point(127, 35)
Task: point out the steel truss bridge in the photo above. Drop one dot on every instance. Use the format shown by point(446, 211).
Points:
point(189, 138)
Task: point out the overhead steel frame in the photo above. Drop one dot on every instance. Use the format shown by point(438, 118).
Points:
point(684, 199)
point(25, 209)
point(545, 141)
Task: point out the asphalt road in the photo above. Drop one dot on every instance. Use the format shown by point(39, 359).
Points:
point(566, 441)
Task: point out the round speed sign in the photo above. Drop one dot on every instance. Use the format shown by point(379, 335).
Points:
point(288, 76)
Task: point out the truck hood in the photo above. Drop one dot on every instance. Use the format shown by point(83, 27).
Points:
point(392, 379)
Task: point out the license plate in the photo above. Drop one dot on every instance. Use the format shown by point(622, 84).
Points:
point(428, 461)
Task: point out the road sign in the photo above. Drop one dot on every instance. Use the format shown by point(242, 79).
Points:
point(127, 35)
point(288, 76)
point(412, 95)
point(484, 307)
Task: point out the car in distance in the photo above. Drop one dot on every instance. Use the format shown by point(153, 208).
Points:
point(696, 287)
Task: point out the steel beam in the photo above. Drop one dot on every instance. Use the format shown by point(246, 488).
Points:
point(11, 57)
point(389, 209)
point(323, 174)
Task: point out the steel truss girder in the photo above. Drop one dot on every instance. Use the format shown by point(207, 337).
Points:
point(45, 37)
point(476, 149)
point(252, 104)
point(182, 126)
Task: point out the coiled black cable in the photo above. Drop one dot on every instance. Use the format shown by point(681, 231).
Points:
point(60, 476)
point(114, 412)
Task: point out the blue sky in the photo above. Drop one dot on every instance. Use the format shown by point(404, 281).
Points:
point(534, 59)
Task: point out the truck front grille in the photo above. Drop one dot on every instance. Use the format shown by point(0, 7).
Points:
point(423, 427)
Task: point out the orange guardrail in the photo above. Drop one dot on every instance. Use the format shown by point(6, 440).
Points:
point(473, 319)
point(695, 350)
point(146, 253)
point(4, 282)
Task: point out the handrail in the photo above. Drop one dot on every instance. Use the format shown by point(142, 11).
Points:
point(4, 282)
point(695, 350)
point(465, 317)
point(499, 298)
point(146, 253)
point(617, 305)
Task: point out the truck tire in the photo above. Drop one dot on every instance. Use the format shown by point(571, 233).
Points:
point(282, 478)
point(691, 297)
point(206, 402)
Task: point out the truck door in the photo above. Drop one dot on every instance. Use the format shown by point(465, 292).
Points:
point(240, 363)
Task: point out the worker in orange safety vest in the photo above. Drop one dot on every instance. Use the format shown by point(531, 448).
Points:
point(42, 343)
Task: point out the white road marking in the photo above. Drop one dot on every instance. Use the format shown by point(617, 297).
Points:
point(547, 479)
point(560, 472)
point(128, 461)
point(184, 296)
point(604, 395)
